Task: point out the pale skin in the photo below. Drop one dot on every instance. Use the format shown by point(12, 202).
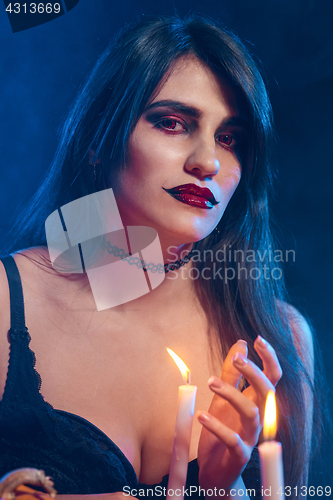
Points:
point(116, 359)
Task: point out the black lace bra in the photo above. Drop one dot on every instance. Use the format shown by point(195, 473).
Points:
point(79, 457)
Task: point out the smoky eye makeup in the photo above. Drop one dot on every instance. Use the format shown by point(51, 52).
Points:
point(174, 117)
point(157, 116)
point(239, 134)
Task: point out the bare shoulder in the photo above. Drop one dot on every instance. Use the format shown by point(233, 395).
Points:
point(25, 265)
point(32, 263)
point(4, 326)
point(302, 333)
point(4, 302)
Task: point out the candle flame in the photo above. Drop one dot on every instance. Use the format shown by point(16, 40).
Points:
point(270, 417)
point(181, 365)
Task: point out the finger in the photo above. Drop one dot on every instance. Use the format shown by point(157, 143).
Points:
point(230, 374)
point(244, 406)
point(258, 380)
point(271, 365)
point(231, 439)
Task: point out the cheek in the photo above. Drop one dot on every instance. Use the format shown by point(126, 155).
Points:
point(148, 158)
point(230, 182)
point(139, 157)
point(151, 149)
point(227, 188)
point(234, 179)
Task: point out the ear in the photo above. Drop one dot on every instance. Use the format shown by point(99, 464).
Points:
point(92, 159)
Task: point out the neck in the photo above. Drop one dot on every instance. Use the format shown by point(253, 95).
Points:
point(174, 258)
point(175, 293)
point(173, 253)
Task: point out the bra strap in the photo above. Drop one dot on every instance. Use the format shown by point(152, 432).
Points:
point(17, 317)
point(23, 382)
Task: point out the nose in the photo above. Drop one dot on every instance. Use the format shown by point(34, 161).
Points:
point(202, 160)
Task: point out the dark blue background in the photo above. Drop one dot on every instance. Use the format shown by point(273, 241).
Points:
point(43, 67)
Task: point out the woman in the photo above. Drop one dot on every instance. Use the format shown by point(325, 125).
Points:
point(175, 119)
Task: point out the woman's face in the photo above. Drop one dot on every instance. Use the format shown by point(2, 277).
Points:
point(183, 164)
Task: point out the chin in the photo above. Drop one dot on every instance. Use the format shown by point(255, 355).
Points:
point(199, 231)
point(177, 231)
point(182, 237)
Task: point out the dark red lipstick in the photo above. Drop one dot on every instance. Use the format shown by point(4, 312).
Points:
point(194, 195)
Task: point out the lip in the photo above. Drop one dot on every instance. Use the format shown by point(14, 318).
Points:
point(194, 195)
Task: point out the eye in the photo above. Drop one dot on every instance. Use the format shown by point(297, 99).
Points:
point(170, 124)
point(226, 139)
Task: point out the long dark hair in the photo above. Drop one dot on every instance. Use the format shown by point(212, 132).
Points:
point(102, 119)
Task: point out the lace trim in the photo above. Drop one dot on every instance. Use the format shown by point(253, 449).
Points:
point(23, 382)
point(19, 333)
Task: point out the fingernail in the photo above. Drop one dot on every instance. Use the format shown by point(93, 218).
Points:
point(204, 417)
point(241, 341)
point(239, 359)
point(215, 383)
point(262, 341)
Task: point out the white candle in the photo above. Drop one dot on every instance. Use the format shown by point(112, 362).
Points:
point(271, 455)
point(182, 437)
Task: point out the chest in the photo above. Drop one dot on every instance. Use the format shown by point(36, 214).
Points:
point(118, 375)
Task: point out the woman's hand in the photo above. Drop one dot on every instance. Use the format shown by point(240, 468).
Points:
point(234, 420)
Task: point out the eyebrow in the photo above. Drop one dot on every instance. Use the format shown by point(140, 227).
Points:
point(238, 121)
point(189, 110)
